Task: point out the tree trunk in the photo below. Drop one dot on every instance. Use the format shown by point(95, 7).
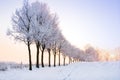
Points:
point(42, 63)
point(55, 59)
point(37, 56)
point(59, 58)
point(42, 55)
point(49, 57)
point(30, 62)
point(69, 60)
point(64, 60)
point(73, 60)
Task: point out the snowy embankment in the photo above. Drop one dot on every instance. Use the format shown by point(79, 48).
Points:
point(75, 71)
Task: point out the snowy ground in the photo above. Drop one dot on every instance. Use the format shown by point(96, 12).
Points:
point(76, 71)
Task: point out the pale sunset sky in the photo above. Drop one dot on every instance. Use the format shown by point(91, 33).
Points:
point(95, 22)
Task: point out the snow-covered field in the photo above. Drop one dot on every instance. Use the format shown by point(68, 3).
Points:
point(75, 71)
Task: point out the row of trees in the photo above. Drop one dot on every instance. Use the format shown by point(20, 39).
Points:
point(35, 24)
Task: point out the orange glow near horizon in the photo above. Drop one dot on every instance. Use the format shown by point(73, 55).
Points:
point(107, 56)
point(11, 52)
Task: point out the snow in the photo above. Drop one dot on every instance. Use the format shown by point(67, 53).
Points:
point(75, 71)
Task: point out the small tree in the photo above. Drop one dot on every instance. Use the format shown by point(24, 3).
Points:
point(91, 54)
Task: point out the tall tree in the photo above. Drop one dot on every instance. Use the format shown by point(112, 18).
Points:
point(45, 24)
point(60, 44)
point(51, 40)
point(22, 29)
point(55, 45)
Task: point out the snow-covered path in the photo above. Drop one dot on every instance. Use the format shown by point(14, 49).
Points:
point(76, 71)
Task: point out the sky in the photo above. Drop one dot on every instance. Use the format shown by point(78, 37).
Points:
point(94, 22)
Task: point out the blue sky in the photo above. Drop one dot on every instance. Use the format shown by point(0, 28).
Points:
point(95, 22)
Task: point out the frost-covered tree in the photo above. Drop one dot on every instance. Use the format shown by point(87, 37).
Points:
point(60, 44)
point(45, 24)
point(54, 49)
point(57, 42)
point(37, 20)
point(66, 50)
point(77, 53)
point(22, 29)
point(91, 54)
point(51, 39)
